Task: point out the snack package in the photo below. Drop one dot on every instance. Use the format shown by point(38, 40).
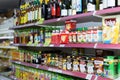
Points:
point(111, 29)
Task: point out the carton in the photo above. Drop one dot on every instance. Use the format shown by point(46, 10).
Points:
point(111, 67)
point(111, 29)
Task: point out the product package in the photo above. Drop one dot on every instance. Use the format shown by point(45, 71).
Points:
point(111, 29)
point(111, 67)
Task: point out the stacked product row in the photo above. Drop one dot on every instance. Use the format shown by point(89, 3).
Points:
point(27, 73)
point(35, 10)
point(107, 33)
point(104, 66)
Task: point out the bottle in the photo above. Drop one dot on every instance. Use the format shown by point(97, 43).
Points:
point(44, 10)
point(101, 5)
point(69, 7)
point(105, 4)
point(79, 6)
point(84, 4)
point(49, 9)
point(118, 3)
point(97, 2)
point(74, 7)
point(58, 12)
point(112, 3)
point(91, 5)
point(54, 9)
point(63, 9)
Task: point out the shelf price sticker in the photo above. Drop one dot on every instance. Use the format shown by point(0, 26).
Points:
point(96, 78)
point(58, 19)
point(55, 70)
point(88, 76)
point(37, 66)
point(62, 45)
point(18, 62)
point(51, 45)
point(95, 46)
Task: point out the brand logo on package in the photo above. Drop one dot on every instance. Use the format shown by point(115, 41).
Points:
point(110, 21)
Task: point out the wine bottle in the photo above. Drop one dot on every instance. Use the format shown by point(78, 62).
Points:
point(97, 2)
point(44, 10)
point(79, 6)
point(91, 5)
point(49, 9)
point(118, 3)
point(84, 3)
point(58, 10)
point(74, 7)
point(63, 9)
point(112, 3)
point(69, 7)
point(101, 5)
point(105, 4)
point(54, 8)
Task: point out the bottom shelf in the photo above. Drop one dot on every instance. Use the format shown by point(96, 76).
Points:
point(56, 70)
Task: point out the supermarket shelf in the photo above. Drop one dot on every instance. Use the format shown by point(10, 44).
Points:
point(80, 18)
point(83, 45)
point(6, 37)
point(8, 47)
point(4, 56)
point(30, 25)
point(108, 11)
point(70, 73)
point(108, 46)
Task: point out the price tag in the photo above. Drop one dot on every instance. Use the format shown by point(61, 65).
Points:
point(96, 78)
point(62, 45)
point(37, 66)
point(89, 76)
point(50, 69)
point(95, 46)
point(18, 62)
point(58, 19)
point(51, 45)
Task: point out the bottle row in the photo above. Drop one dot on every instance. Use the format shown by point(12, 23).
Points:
point(58, 36)
point(27, 73)
point(34, 10)
point(107, 66)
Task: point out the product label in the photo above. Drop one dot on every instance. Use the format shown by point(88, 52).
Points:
point(111, 3)
point(69, 66)
point(105, 3)
point(82, 68)
point(75, 67)
point(79, 37)
point(64, 12)
point(79, 5)
point(74, 4)
point(53, 11)
point(90, 7)
point(90, 69)
point(69, 12)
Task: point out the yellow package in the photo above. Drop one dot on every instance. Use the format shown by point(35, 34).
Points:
point(111, 29)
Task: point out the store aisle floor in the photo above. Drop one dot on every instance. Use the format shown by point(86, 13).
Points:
point(4, 78)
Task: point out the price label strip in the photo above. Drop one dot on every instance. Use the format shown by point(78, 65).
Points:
point(88, 76)
point(95, 46)
point(55, 70)
point(51, 45)
point(62, 45)
point(58, 19)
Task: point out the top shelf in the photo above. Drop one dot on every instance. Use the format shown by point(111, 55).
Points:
point(109, 11)
point(94, 16)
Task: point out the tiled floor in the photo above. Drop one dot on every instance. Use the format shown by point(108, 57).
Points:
point(4, 78)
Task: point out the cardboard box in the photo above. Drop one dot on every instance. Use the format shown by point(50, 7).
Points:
point(111, 29)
